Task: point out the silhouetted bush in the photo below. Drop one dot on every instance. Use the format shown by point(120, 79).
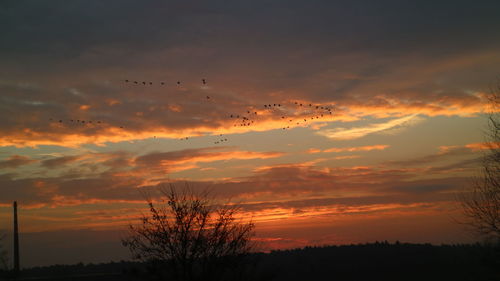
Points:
point(189, 237)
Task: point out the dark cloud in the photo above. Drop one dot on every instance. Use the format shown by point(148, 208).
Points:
point(165, 161)
point(15, 161)
point(155, 158)
point(109, 176)
point(285, 181)
point(443, 155)
point(386, 25)
point(344, 202)
point(59, 161)
point(387, 56)
point(118, 160)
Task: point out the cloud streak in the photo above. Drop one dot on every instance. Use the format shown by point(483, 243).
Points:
point(359, 132)
point(358, 148)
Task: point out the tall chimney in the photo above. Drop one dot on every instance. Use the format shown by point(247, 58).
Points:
point(16, 240)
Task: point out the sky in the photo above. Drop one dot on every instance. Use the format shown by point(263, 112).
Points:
point(329, 122)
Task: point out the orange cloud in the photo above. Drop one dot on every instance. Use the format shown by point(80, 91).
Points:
point(112, 102)
point(347, 157)
point(229, 155)
point(471, 146)
point(313, 150)
point(383, 106)
point(286, 117)
point(358, 148)
point(60, 135)
point(201, 155)
point(84, 107)
point(175, 108)
point(483, 146)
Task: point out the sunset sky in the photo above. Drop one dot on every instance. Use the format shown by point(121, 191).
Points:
point(405, 82)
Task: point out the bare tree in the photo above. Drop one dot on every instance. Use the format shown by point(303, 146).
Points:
point(481, 203)
point(190, 237)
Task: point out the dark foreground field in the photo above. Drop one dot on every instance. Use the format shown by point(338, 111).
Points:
point(376, 261)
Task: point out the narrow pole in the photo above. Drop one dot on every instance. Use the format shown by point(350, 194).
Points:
point(16, 241)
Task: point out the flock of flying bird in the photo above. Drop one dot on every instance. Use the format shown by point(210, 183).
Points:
point(151, 83)
point(288, 114)
point(144, 83)
point(295, 113)
point(78, 121)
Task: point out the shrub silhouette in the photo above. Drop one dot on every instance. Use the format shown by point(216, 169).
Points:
point(189, 237)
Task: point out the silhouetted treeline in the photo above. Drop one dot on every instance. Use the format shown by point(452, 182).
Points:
point(80, 271)
point(384, 261)
point(374, 261)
